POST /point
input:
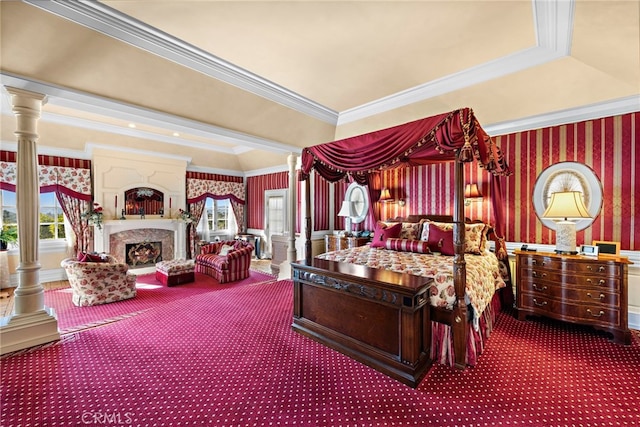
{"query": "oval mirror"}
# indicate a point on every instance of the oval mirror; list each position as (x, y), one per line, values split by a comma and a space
(357, 194)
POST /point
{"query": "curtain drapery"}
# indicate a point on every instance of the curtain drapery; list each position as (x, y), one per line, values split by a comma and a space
(69, 179)
(199, 189)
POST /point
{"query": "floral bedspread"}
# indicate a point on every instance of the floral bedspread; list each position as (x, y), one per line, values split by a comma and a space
(483, 272)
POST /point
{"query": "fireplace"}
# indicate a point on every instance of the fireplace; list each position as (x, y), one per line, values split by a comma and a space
(117, 235)
(143, 254)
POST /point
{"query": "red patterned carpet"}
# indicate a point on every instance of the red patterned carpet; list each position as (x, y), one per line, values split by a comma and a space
(150, 294)
(230, 358)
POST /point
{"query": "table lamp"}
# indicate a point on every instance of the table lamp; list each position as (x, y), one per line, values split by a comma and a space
(565, 206)
(348, 210)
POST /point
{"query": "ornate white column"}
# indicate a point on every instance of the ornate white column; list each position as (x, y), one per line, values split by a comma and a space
(31, 323)
(285, 267)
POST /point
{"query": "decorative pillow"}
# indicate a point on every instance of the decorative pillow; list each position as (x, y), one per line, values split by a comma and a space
(475, 238)
(475, 235)
(407, 245)
(441, 240)
(225, 249)
(86, 257)
(382, 233)
(410, 230)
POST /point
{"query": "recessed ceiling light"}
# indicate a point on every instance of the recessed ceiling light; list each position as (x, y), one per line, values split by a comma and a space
(176, 134)
(132, 125)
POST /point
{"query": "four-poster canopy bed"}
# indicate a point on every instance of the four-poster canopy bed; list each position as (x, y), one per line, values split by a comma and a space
(378, 316)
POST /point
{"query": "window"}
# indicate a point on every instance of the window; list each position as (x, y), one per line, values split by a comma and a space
(218, 215)
(51, 215)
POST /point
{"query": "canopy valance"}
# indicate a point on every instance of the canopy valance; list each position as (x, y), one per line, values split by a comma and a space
(440, 138)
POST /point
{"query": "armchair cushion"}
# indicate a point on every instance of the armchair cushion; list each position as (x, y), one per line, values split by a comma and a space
(96, 283)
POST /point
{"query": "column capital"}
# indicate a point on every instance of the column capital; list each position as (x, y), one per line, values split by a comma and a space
(27, 106)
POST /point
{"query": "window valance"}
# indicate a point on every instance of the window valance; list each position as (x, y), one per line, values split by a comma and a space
(56, 174)
(200, 189)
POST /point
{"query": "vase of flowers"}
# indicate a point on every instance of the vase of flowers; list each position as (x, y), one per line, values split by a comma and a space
(185, 216)
(94, 215)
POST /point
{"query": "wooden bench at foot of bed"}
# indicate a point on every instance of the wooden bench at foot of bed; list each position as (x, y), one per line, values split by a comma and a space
(378, 317)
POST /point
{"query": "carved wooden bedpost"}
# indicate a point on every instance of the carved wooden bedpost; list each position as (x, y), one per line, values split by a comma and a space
(460, 324)
(307, 228)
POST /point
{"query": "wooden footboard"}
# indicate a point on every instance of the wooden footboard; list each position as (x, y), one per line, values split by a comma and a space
(378, 317)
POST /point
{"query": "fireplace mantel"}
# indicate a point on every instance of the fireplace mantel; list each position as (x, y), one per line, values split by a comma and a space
(102, 241)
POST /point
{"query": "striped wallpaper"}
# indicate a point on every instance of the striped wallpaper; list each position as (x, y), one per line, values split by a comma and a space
(256, 186)
(610, 146)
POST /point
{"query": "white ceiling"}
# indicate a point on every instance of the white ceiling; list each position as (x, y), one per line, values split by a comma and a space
(362, 65)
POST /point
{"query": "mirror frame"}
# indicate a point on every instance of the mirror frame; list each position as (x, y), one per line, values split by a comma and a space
(568, 171)
(360, 196)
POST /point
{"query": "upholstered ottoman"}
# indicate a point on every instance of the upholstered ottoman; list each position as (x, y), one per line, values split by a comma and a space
(175, 272)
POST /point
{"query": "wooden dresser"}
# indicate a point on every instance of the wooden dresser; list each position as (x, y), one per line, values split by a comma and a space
(573, 288)
(334, 242)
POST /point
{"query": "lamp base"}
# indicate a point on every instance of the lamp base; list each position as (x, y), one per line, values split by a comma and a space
(565, 237)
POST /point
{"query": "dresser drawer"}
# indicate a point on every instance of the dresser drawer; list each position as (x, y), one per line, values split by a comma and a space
(585, 280)
(569, 293)
(582, 313)
(598, 268)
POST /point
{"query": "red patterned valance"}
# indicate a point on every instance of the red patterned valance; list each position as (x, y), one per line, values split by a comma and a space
(55, 174)
(214, 177)
(198, 189)
(435, 139)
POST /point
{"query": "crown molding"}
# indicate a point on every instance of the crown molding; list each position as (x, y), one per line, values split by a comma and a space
(68, 98)
(108, 21)
(609, 108)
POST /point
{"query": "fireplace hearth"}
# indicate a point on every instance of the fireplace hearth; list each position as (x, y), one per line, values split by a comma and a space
(115, 235)
(143, 254)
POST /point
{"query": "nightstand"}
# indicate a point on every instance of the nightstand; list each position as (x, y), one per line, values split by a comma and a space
(577, 289)
(334, 242)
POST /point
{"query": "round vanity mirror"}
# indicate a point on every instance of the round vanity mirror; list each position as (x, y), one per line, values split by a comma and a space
(568, 176)
(357, 194)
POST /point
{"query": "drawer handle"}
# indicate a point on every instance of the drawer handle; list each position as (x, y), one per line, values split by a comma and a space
(539, 304)
(600, 282)
(600, 314)
(600, 269)
(543, 288)
(535, 274)
(535, 262)
(591, 296)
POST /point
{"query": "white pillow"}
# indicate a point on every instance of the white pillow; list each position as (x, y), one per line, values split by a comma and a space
(225, 249)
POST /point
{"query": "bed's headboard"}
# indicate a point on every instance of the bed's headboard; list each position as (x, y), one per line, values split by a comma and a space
(417, 218)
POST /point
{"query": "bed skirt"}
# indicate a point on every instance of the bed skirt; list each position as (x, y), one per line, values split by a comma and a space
(442, 351)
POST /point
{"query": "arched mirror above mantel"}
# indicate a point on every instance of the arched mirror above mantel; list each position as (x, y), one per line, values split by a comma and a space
(143, 200)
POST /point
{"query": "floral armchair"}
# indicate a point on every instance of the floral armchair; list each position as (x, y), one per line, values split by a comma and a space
(101, 282)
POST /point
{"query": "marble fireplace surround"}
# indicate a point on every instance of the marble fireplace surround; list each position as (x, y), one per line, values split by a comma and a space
(116, 234)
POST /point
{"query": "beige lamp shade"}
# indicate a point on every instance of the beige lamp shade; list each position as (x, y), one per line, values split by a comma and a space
(385, 195)
(471, 191)
(566, 205)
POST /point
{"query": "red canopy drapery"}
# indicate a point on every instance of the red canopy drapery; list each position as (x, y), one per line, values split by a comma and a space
(441, 138)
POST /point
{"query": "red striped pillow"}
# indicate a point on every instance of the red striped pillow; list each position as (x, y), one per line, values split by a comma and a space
(407, 245)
